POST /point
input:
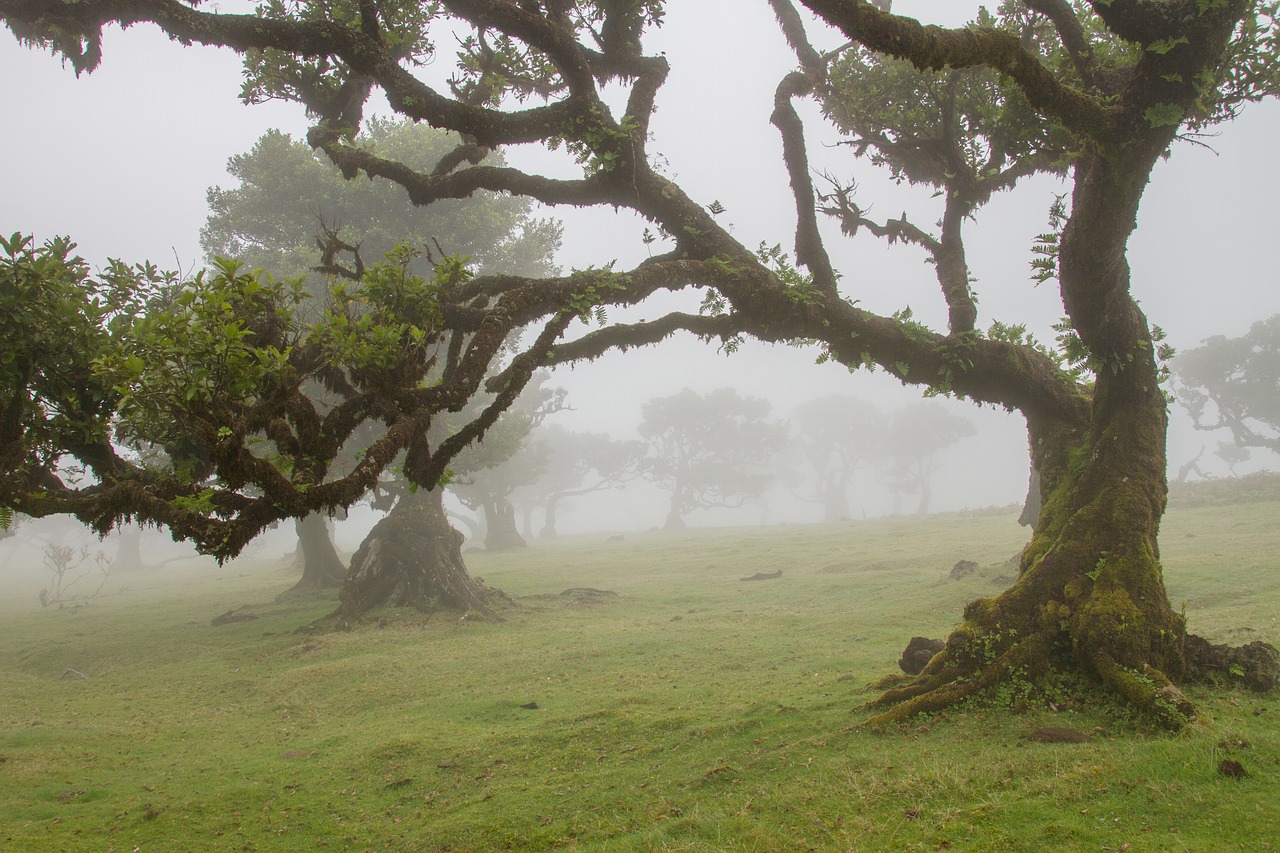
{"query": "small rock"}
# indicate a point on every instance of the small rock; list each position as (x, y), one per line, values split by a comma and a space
(918, 653)
(962, 569)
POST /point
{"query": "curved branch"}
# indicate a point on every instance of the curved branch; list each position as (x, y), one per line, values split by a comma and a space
(626, 336)
(1064, 20)
(424, 188)
(810, 251)
(793, 28)
(934, 48)
(54, 20)
(552, 39)
(514, 378)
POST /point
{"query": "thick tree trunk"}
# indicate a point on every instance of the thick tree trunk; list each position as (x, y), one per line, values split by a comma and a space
(1090, 596)
(321, 566)
(413, 558)
(128, 556)
(500, 523)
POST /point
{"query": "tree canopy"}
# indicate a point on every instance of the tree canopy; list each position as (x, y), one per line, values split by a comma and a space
(1098, 90)
(577, 464)
(915, 436)
(836, 435)
(709, 450)
(288, 196)
(1234, 384)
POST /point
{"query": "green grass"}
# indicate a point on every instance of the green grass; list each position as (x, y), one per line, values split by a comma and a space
(690, 712)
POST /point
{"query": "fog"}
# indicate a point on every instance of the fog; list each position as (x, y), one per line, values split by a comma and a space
(120, 160)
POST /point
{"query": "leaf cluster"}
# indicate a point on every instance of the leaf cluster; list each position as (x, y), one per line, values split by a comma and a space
(219, 394)
(710, 449)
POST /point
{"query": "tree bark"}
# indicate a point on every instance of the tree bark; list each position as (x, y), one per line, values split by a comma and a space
(1031, 506)
(322, 568)
(413, 558)
(1090, 595)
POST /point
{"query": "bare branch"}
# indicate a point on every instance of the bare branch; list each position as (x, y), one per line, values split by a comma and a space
(810, 250)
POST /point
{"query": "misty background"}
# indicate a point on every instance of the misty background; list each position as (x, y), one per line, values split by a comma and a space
(120, 160)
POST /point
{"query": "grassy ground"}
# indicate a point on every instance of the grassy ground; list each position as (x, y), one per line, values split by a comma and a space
(690, 711)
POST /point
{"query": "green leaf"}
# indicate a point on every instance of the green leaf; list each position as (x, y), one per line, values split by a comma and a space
(1163, 46)
(1164, 115)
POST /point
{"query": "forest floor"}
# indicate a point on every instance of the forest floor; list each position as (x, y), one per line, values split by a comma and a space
(676, 708)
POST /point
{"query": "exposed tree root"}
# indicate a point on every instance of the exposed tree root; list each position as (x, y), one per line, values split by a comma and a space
(957, 673)
(1148, 689)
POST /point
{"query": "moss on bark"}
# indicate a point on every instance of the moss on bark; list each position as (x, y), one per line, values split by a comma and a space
(1090, 594)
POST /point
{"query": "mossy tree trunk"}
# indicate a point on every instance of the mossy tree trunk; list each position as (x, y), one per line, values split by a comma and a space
(413, 558)
(1090, 594)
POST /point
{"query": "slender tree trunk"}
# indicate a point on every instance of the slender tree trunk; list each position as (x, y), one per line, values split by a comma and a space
(926, 486)
(322, 568)
(526, 521)
(675, 515)
(549, 517)
(413, 558)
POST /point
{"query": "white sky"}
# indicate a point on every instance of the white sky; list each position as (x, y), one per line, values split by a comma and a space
(120, 160)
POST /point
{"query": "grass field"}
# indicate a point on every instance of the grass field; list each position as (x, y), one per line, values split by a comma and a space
(688, 711)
